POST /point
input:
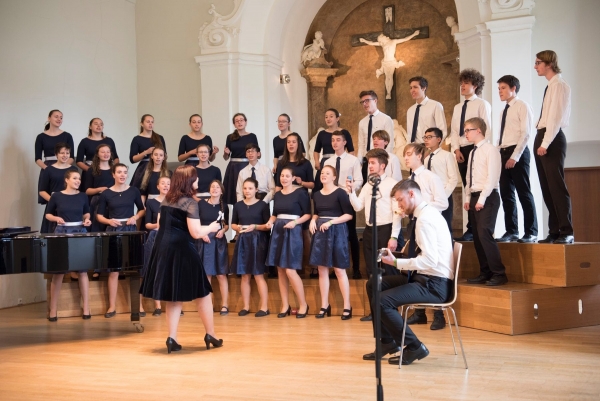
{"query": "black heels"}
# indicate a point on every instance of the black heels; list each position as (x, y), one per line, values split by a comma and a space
(53, 319)
(286, 313)
(323, 312)
(172, 345)
(302, 315)
(208, 340)
(349, 315)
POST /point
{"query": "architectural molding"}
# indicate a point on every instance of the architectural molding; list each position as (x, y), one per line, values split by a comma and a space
(239, 58)
(218, 35)
(510, 24)
(511, 8)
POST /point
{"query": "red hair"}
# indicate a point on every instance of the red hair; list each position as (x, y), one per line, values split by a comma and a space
(182, 183)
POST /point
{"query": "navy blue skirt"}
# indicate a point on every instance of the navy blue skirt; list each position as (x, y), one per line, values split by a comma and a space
(70, 229)
(330, 248)
(230, 181)
(124, 228)
(214, 255)
(138, 174)
(285, 247)
(148, 245)
(250, 253)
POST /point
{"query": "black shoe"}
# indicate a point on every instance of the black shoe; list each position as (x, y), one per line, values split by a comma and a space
(390, 348)
(549, 239)
(53, 319)
(565, 239)
(417, 318)
(208, 340)
(467, 236)
(157, 312)
(302, 315)
(243, 312)
(367, 318)
(286, 313)
(481, 279)
(409, 356)
(497, 280)
(225, 311)
(108, 315)
(438, 323)
(87, 317)
(172, 345)
(142, 314)
(349, 315)
(323, 312)
(314, 273)
(508, 238)
(527, 239)
(356, 275)
(262, 313)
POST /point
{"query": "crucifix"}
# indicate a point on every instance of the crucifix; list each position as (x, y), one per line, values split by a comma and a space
(388, 39)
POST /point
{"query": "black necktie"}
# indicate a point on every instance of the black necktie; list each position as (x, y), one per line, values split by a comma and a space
(542, 109)
(337, 170)
(369, 132)
(429, 161)
(412, 245)
(412, 176)
(461, 129)
(253, 175)
(471, 169)
(415, 124)
(503, 123)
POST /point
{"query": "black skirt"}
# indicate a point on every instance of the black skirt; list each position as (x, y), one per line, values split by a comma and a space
(70, 230)
(230, 181)
(214, 255)
(250, 253)
(138, 174)
(330, 248)
(148, 245)
(285, 247)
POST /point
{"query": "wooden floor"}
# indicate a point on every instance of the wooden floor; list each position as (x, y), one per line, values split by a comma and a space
(280, 359)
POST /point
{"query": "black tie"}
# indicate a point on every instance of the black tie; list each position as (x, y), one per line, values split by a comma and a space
(462, 118)
(429, 161)
(412, 245)
(503, 123)
(542, 109)
(412, 176)
(471, 169)
(337, 170)
(253, 175)
(369, 133)
(415, 124)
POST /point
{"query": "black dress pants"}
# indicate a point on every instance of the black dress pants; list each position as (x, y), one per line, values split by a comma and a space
(448, 213)
(397, 291)
(354, 244)
(384, 233)
(484, 222)
(462, 169)
(517, 178)
(551, 170)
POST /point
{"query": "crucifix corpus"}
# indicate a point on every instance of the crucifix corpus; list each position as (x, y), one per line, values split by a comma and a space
(388, 39)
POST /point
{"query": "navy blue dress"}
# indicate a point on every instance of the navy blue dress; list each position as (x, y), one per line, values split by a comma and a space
(206, 176)
(52, 180)
(86, 151)
(71, 209)
(44, 147)
(238, 151)
(119, 205)
(105, 179)
(187, 143)
(215, 257)
(279, 146)
(140, 144)
(251, 248)
(152, 210)
(286, 245)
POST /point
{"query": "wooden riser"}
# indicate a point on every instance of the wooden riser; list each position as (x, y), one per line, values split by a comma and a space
(509, 309)
(548, 264)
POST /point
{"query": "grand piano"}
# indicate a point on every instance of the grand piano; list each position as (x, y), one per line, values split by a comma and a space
(24, 251)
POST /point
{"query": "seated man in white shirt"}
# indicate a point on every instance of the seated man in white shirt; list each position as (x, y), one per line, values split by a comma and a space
(431, 280)
(261, 173)
(381, 139)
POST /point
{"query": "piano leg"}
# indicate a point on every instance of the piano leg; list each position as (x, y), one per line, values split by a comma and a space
(134, 288)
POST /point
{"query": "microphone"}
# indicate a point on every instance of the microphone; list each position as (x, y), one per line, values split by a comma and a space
(374, 179)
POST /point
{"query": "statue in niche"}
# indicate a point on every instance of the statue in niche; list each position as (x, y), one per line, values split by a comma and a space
(453, 26)
(315, 50)
(389, 63)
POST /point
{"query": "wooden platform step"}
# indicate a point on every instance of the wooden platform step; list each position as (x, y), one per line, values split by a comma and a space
(518, 308)
(571, 265)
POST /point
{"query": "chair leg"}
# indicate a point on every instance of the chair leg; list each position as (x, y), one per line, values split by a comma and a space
(403, 334)
(459, 337)
(450, 326)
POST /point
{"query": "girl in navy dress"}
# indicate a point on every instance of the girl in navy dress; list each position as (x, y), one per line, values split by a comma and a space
(151, 218)
(235, 148)
(47, 141)
(98, 179)
(249, 220)
(284, 122)
(70, 211)
(329, 247)
(323, 143)
(291, 208)
(116, 211)
(142, 146)
(156, 168)
(206, 172)
(188, 145)
(212, 247)
(88, 146)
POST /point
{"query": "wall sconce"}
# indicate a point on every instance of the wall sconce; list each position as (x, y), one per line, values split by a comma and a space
(284, 79)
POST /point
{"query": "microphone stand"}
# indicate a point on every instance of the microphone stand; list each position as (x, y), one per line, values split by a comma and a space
(376, 277)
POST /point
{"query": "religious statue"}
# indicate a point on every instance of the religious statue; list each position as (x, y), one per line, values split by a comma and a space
(453, 26)
(314, 50)
(400, 142)
(389, 62)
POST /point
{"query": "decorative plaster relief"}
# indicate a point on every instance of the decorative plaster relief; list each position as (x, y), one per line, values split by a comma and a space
(511, 8)
(216, 36)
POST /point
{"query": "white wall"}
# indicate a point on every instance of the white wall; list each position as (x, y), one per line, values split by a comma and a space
(74, 55)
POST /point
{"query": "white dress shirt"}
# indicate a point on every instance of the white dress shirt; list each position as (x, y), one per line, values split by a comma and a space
(556, 109)
(381, 121)
(444, 166)
(349, 167)
(517, 128)
(432, 188)
(486, 171)
(431, 114)
(477, 107)
(393, 168)
(436, 257)
(264, 176)
(387, 207)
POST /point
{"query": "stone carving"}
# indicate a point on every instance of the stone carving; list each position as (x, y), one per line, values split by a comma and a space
(453, 26)
(389, 63)
(216, 36)
(511, 8)
(315, 50)
(400, 143)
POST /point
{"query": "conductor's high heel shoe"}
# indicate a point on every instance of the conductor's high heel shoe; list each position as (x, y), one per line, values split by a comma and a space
(208, 340)
(286, 313)
(302, 315)
(323, 312)
(172, 345)
(349, 315)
